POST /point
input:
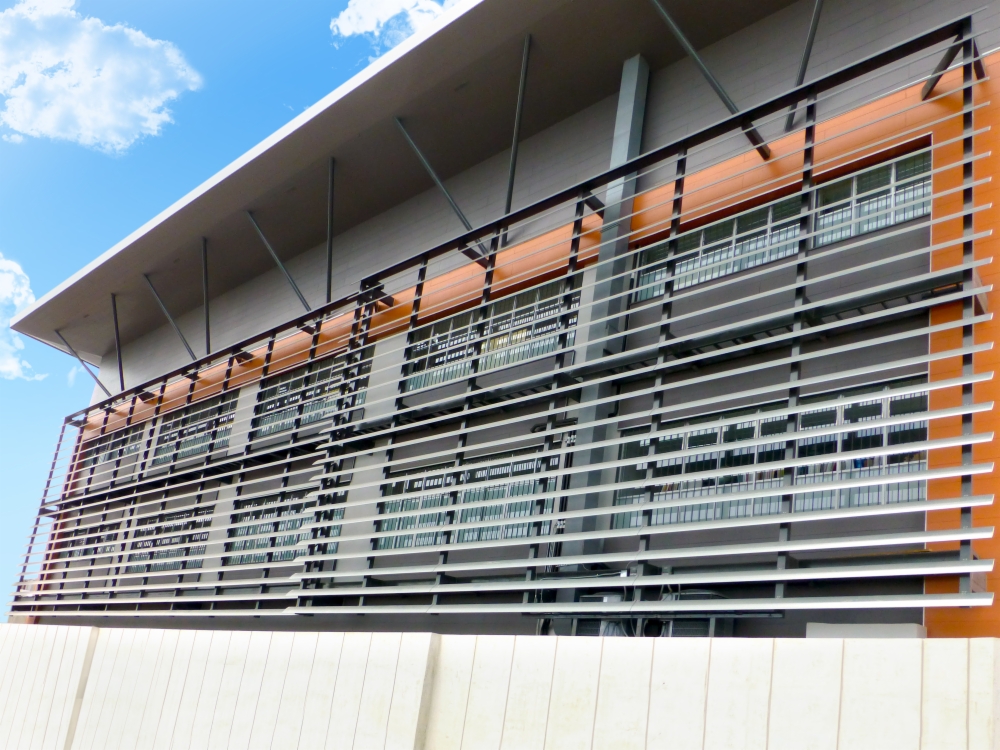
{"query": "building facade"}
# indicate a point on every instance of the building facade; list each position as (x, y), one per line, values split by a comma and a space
(707, 351)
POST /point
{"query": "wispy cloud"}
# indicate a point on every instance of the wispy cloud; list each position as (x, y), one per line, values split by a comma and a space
(71, 375)
(15, 295)
(71, 77)
(386, 23)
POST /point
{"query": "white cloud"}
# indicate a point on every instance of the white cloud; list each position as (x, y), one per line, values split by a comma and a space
(386, 23)
(70, 77)
(71, 375)
(15, 295)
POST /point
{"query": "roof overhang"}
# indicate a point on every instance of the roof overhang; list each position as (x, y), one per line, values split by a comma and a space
(456, 86)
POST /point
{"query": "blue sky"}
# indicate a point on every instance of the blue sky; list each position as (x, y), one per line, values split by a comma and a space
(110, 110)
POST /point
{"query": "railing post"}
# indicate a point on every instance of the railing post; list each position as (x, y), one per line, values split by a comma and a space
(968, 279)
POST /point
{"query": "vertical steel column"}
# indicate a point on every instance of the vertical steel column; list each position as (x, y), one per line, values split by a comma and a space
(268, 353)
(142, 462)
(326, 511)
(560, 482)
(968, 280)
(355, 356)
(90, 480)
(176, 448)
(418, 294)
(204, 294)
(72, 475)
(476, 320)
(128, 423)
(118, 342)
(666, 310)
(129, 518)
(801, 273)
(329, 233)
(607, 302)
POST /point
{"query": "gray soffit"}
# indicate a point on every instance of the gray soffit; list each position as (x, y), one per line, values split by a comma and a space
(456, 87)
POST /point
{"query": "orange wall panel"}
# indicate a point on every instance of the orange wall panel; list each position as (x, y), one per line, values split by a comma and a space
(974, 621)
(210, 381)
(289, 352)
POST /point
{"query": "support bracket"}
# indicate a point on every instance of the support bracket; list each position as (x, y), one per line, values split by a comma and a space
(804, 62)
(946, 60)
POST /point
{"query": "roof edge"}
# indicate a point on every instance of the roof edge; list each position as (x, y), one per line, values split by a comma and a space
(391, 57)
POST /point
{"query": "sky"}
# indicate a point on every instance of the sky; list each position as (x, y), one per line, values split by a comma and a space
(111, 110)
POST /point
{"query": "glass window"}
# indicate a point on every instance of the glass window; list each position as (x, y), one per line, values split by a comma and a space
(511, 330)
(870, 200)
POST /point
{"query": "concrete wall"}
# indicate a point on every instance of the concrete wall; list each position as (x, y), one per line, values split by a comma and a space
(754, 64)
(83, 688)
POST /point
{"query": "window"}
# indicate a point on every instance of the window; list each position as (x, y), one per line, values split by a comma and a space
(461, 482)
(263, 525)
(503, 333)
(309, 394)
(868, 201)
(751, 239)
(199, 428)
(169, 530)
(113, 446)
(874, 199)
(523, 467)
(90, 542)
(166, 560)
(669, 477)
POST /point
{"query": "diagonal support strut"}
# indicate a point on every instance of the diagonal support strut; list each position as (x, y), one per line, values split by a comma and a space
(83, 364)
(329, 231)
(170, 318)
(480, 259)
(945, 62)
(204, 294)
(755, 138)
(118, 342)
(517, 123)
(278, 263)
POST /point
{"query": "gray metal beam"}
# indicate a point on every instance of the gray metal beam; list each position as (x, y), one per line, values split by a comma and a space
(170, 318)
(329, 234)
(118, 342)
(83, 364)
(277, 261)
(804, 62)
(748, 129)
(480, 259)
(594, 204)
(517, 123)
(204, 292)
